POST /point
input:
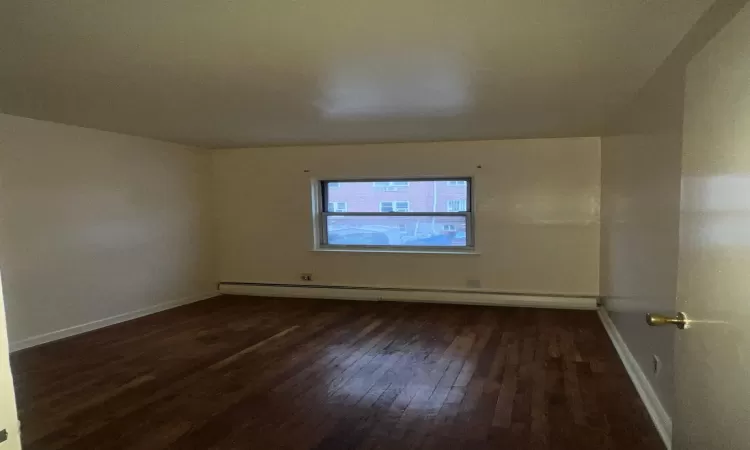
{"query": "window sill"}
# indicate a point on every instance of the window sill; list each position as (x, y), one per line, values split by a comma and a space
(397, 251)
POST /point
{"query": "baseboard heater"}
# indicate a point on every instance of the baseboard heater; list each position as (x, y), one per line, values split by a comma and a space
(430, 295)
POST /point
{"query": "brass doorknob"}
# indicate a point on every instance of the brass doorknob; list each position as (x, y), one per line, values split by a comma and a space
(657, 320)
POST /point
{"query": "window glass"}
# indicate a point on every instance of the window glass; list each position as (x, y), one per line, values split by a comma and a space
(396, 213)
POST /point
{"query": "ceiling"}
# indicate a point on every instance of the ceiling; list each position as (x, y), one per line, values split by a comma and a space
(231, 73)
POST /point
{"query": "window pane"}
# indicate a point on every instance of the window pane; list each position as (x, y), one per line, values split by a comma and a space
(397, 196)
(402, 231)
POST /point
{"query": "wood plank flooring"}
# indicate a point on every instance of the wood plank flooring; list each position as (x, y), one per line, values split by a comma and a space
(253, 373)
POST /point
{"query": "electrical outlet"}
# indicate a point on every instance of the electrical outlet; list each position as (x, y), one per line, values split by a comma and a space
(306, 277)
(656, 365)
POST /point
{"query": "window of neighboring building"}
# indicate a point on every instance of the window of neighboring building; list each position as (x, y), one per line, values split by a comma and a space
(424, 216)
(337, 206)
(456, 205)
(387, 184)
(389, 207)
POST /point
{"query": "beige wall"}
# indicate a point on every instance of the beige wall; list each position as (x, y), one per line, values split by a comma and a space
(96, 224)
(537, 218)
(641, 170)
(640, 224)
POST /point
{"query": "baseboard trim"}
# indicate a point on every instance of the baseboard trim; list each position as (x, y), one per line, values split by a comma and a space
(659, 415)
(373, 293)
(101, 323)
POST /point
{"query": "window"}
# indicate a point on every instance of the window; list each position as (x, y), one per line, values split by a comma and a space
(387, 207)
(381, 214)
(337, 206)
(456, 205)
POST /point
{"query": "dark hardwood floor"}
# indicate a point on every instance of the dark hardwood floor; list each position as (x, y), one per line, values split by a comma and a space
(252, 373)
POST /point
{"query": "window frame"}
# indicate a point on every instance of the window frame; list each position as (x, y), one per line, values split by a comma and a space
(322, 214)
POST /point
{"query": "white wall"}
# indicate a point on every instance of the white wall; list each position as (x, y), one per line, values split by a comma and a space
(96, 224)
(537, 218)
(640, 226)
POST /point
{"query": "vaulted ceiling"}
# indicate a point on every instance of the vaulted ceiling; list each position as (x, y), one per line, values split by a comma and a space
(234, 73)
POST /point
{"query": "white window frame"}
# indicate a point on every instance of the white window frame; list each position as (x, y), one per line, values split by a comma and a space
(338, 207)
(320, 188)
(393, 206)
(461, 206)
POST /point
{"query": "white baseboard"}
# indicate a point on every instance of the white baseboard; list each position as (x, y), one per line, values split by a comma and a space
(409, 295)
(659, 415)
(101, 323)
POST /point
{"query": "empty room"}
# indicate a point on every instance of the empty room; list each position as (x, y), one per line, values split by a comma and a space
(413, 224)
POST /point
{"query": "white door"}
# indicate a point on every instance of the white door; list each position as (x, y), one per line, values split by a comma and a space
(712, 360)
(8, 417)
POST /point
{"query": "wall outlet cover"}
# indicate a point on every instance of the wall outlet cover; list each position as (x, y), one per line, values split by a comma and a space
(655, 365)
